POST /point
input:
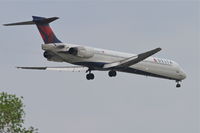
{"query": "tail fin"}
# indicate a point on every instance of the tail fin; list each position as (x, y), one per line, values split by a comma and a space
(43, 26)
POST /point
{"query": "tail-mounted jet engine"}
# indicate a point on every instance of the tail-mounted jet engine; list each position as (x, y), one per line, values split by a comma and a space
(47, 54)
(73, 51)
(81, 52)
(50, 56)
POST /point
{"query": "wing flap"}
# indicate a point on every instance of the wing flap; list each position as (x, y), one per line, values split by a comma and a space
(132, 60)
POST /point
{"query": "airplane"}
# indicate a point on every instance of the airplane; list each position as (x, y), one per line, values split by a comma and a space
(90, 59)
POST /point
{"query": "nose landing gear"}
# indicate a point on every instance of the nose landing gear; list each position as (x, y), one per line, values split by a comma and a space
(178, 85)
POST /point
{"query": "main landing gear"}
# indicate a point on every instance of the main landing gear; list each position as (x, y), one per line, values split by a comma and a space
(112, 73)
(178, 85)
(90, 76)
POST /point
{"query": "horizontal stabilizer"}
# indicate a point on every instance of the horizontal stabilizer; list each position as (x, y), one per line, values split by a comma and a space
(132, 60)
(20, 23)
(67, 68)
(36, 20)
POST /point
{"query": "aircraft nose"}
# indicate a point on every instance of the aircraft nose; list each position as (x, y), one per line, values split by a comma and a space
(183, 75)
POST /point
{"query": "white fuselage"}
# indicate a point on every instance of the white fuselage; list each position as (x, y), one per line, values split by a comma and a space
(95, 58)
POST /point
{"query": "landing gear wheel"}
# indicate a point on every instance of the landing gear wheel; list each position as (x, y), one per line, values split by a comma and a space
(112, 73)
(87, 77)
(178, 85)
(90, 76)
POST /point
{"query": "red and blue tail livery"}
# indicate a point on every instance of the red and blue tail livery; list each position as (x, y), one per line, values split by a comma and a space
(45, 30)
(42, 24)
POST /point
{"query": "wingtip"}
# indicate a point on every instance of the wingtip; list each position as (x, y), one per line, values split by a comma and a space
(159, 48)
(6, 24)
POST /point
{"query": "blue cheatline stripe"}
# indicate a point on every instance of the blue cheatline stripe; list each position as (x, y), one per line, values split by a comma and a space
(140, 72)
(99, 65)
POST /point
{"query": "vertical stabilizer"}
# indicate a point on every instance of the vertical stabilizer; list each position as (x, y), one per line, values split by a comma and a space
(42, 24)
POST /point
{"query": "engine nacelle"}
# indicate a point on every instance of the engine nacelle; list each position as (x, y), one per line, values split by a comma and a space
(47, 54)
(73, 51)
(81, 52)
(52, 57)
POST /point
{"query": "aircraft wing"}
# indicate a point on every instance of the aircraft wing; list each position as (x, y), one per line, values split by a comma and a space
(66, 68)
(132, 60)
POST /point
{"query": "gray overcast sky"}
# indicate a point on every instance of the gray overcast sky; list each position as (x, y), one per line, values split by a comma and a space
(66, 102)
